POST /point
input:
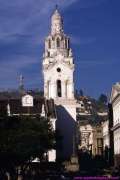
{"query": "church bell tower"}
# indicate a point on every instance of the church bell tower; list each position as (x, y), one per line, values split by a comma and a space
(58, 70)
(58, 65)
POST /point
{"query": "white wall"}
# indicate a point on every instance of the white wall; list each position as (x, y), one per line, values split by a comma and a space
(117, 141)
(116, 113)
(66, 75)
(52, 155)
(116, 121)
(86, 130)
(105, 129)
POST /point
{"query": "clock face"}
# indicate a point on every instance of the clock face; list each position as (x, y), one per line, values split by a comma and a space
(27, 100)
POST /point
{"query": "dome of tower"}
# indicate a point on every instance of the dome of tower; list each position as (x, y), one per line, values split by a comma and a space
(56, 15)
(56, 23)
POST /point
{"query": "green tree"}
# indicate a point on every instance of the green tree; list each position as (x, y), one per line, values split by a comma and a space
(23, 138)
(102, 99)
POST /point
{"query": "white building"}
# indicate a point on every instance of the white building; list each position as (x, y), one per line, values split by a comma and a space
(58, 69)
(115, 101)
(58, 66)
(105, 131)
(86, 136)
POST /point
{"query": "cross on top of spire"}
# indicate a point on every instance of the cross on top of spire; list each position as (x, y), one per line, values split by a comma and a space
(56, 6)
(56, 11)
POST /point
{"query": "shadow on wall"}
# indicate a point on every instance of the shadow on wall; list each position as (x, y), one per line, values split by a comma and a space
(66, 126)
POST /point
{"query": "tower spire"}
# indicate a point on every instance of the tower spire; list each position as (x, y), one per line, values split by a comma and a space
(56, 22)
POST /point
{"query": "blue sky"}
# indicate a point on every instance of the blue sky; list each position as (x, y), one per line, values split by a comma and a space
(94, 28)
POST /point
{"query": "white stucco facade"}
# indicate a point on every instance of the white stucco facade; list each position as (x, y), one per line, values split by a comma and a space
(117, 142)
(115, 100)
(86, 136)
(105, 131)
(58, 66)
(116, 111)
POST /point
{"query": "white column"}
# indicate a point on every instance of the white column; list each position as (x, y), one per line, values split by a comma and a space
(8, 110)
(49, 89)
(53, 90)
(63, 89)
(46, 89)
(70, 90)
(67, 89)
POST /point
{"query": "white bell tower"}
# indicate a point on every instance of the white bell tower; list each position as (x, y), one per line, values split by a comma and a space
(58, 70)
(58, 65)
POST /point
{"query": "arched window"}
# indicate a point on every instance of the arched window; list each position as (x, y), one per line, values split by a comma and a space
(58, 42)
(68, 43)
(49, 43)
(48, 54)
(66, 46)
(59, 92)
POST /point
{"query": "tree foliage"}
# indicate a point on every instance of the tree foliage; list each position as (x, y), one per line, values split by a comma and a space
(102, 99)
(22, 139)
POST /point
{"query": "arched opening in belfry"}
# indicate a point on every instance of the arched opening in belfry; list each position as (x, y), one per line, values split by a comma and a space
(66, 43)
(59, 89)
(49, 43)
(58, 42)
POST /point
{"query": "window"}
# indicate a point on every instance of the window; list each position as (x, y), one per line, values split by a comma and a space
(58, 42)
(59, 93)
(99, 131)
(49, 43)
(66, 46)
(99, 142)
(48, 54)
